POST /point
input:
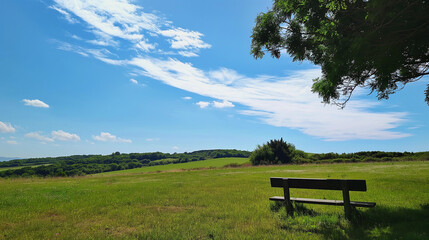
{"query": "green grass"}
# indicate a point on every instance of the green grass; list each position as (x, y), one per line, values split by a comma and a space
(13, 168)
(221, 203)
(210, 163)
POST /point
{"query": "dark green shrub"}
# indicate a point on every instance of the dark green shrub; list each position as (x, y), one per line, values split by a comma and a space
(273, 152)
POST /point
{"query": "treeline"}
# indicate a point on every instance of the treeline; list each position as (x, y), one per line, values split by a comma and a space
(91, 164)
(368, 156)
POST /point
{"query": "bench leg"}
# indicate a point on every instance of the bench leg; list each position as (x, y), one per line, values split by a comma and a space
(347, 206)
(288, 203)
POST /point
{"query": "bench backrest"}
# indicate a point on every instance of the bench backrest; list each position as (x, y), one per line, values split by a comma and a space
(324, 184)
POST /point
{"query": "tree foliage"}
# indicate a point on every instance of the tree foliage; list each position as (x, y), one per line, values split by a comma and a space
(90, 164)
(273, 152)
(381, 45)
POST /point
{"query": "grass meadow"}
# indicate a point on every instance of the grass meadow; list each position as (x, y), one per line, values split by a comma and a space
(210, 163)
(214, 203)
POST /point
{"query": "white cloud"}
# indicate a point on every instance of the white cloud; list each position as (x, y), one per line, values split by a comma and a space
(38, 136)
(225, 76)
(152, 139)
(187, 98)
(107, 137)
(55, 135)
(132, 80)
(216, 104)
(188, 54)
(124, 20)
(35, 103)
(12, 142)
(65, 136)
(175, 147)
(66, 15)
(145, 46)
(6, 127)
(279, 101)
(76, 37)
(185, 39)
(203, 104)
(223, 104)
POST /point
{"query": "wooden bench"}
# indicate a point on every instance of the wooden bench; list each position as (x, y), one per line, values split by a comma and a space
(323, 184)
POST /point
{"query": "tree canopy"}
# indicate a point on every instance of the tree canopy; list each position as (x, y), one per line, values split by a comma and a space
(381, 45)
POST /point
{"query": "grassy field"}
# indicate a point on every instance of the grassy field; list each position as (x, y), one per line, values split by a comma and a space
(217, 162)
(221, 203)
(13, 168)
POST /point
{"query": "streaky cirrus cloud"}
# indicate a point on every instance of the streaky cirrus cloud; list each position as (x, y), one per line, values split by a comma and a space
(35, 103)
(55, 135)
(109, 19)
(39, 136)
(283, 101)
(6, 127)
(107, 137)
(279, 101)
(12, 142)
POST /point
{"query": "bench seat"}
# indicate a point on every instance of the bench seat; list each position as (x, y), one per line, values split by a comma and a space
(325, 201)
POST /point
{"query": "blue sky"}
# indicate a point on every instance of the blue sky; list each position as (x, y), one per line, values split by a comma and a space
(95, 77)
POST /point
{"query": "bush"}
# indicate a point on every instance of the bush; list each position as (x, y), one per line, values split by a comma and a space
(273, 152)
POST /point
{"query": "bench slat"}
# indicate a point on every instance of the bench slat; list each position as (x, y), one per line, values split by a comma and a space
(325, 202)
(324, 184)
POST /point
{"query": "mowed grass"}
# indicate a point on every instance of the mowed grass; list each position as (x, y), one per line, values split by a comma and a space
(221, 203)
(210, 163)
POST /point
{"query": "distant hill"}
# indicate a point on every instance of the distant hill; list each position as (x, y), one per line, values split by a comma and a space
(90, 164)
(8, 158)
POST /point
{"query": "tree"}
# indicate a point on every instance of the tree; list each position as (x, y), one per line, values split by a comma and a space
(273, 152)
(381, 45)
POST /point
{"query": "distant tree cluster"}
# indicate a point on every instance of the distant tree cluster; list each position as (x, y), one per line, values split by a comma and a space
(368, 156)
(90, 164)
(281, 152)
(273, 152)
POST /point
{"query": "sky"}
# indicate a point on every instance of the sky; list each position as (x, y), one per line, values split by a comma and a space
(100, 76)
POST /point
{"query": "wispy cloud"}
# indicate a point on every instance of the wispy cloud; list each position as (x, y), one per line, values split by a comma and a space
(187, 98)
(39, 136)
(6, 127)
(135, 82)
(203, 104)
(12, 142)
(55, 135)
(278, 101)
(66, 15)
(152, 139)
(107, 137)
(188, 54)
(109, 19)
(35, 103)
(65, 136)
(216, 104)
(223, 104)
